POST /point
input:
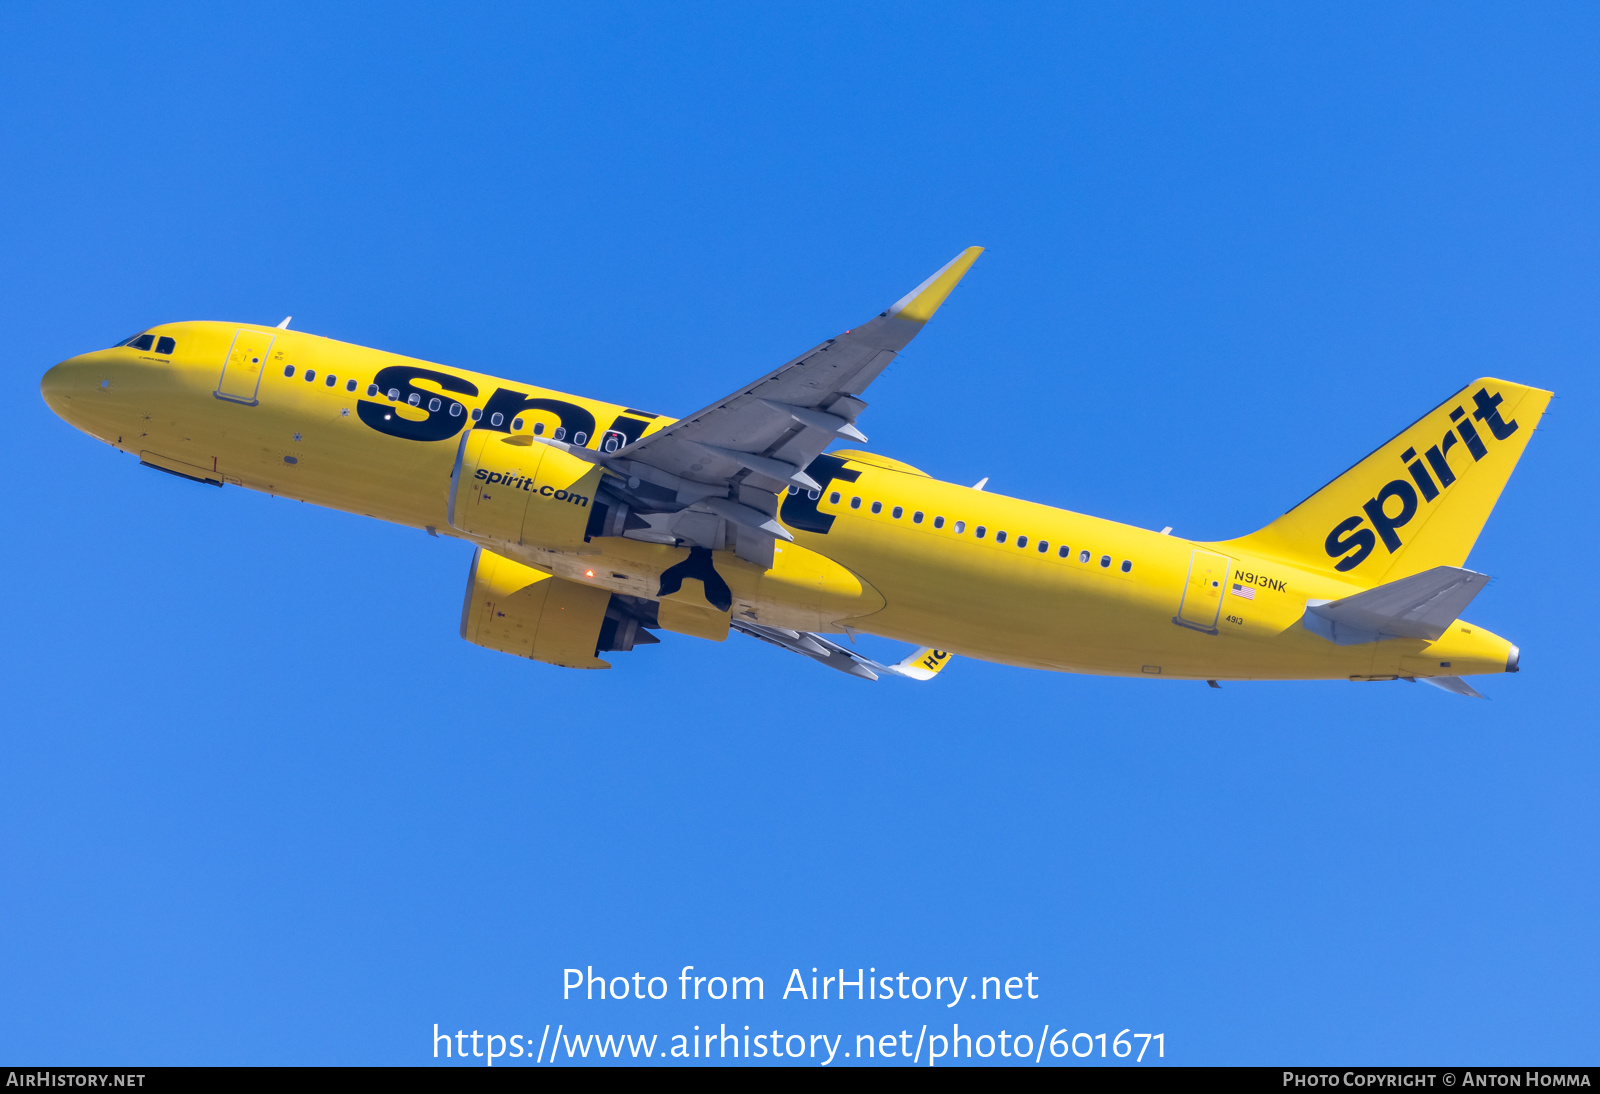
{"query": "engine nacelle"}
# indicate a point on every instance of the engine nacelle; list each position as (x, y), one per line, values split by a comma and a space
(517, 491)
(519, 610)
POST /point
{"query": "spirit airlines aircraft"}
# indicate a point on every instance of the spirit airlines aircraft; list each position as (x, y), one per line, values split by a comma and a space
(596, 525)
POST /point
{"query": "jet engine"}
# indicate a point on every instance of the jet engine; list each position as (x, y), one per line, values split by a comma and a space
(519, 610)
(515, 490)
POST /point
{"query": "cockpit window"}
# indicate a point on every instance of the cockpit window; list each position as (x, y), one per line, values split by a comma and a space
(148, 341)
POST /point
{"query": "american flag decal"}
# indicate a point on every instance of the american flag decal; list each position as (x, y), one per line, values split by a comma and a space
(1244, 591)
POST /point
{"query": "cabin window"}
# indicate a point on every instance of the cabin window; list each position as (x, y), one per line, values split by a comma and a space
(1105, 562)
(793, 490)
(331, 380)
(477, 414)
(413, 399)
(1083, 556)
(393, 394)
(898, 513)
(372, 389)
(516, 423)
(349, 385)
(455, 410)
(916, 518)
(311, 374)
(433, 405)
(166, 345)
(938, 522)
(1022, 541)
(813, 494)
(979, 531)
(999, 537)
(877, 507)
(1127, 566)
(580, 438)
(1044, 547)
(855, 503)
(1064, 551)
(961, 526)
(833, 498)
(288, 370)
(496, 418)
(559, 435)
(538, 429)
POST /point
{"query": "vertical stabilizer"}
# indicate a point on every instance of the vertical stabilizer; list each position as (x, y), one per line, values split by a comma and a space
(1420, 500)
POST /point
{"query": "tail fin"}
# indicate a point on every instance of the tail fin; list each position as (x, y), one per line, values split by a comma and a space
(1420, 500)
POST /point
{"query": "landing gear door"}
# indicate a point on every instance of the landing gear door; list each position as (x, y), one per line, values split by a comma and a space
(242, 369)
(1202, 594)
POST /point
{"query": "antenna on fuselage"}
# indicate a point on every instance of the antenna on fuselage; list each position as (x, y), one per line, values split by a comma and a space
(981, 483)
(285, 324)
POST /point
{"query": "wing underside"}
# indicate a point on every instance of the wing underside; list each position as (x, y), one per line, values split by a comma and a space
(924, 664)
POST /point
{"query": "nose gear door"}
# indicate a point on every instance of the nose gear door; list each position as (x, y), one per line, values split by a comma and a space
(242, 369)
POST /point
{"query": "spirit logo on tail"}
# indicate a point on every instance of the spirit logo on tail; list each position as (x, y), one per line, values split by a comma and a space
(1349, 535)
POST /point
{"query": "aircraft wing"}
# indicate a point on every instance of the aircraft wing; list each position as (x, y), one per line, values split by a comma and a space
(712, 479)
(924, 664)
(1420, 606)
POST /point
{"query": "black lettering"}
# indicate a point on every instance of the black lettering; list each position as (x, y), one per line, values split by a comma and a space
(1385, 524)
(574, 419)
(1474, 442)
(1361, 541)
(799, 510)
(1488, 413)
(437, 426)
(1423, 481)
(1440, 463)
(630, 428)
(698, 565)
(482, 474)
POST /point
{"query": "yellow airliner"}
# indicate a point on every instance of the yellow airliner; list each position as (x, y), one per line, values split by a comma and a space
(597, 524)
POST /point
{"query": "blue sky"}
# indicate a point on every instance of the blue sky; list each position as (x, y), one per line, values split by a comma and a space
(263, 805)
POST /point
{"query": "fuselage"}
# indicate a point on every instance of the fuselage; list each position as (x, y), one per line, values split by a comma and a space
(881, 549)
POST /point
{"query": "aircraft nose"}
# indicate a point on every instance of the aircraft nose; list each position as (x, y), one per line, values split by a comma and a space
(61, 384)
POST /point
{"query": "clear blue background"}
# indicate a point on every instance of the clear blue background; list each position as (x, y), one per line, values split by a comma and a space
(258, 801)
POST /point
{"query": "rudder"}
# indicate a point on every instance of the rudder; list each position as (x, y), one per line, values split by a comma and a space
(1421, 499)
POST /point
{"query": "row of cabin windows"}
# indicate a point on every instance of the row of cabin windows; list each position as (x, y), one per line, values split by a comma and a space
(329, 380)
(981, 532)
(436, 404)
(162, 345)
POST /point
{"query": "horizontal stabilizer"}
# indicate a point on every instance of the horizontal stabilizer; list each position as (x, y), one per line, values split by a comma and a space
(1452, 684)
(1420, 606)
